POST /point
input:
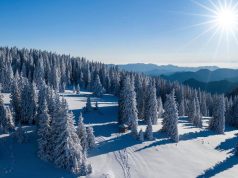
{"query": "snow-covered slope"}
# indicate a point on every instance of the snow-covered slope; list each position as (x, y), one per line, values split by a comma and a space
(199, 153)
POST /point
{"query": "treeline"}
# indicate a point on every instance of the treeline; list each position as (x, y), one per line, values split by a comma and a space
(30, 74)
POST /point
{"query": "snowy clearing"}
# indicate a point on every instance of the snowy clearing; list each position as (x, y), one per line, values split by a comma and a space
(200, 152)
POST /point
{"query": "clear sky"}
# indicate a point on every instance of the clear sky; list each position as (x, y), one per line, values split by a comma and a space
(117, 31)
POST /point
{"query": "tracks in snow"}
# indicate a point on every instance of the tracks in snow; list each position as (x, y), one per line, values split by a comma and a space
(122, 158)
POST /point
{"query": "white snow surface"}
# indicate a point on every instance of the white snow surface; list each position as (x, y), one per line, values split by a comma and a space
(199, 153)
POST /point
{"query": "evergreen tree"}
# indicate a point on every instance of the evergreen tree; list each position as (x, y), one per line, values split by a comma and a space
(20, 135)
(45, 146)
(130, 110)
(82, 133)
(170, 121)
(68, 151)
(141, 135)
(77, 89)
(88, 105)
(85, 168)
(28, 103)
(151, 105)
(6, 121)
(217, 123)
(15, 101)
(181, 110)
(197, 120)
(149, 130)
(90, 137)
(98, 89)
(160, 107)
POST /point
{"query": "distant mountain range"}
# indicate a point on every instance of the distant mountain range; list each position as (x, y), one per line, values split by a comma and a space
(222, 86)
(205, 75)
(153, 69)
(209, 78)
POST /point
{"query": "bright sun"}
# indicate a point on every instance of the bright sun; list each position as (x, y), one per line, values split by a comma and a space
(226, 19)
(220, 22)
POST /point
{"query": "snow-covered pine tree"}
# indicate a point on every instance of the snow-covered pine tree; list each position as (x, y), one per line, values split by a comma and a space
(217, 123)
(139, 89)
(41, 101)
(88, 107)
(197, 120)
(151, 104)
(130, 110)
(192, 110)
(68, 151)
(19, 134)
(15, 101)
(170, 121)
(7, 122)
(2, 110)
(74, 90)
(45, 145)
(149, 130)
(85, 168)
(141, 135)
(181, 110)
(203, 105)
(160, 107)
(77, 89)
(28, 103)
(97, 87)
(90, 138)
(82, 133)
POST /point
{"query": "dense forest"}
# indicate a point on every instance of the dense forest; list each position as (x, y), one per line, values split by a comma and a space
(35, 79)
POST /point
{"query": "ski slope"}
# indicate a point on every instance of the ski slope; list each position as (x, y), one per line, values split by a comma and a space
(200, 152)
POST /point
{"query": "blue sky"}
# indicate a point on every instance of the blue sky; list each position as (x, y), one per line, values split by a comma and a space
(115, 31)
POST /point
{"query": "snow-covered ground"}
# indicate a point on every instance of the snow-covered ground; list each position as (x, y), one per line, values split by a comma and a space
(200, 153)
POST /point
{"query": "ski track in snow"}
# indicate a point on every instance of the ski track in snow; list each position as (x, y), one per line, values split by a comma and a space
(122, 158)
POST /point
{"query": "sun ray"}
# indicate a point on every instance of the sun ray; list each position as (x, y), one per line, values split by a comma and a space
(204, 6)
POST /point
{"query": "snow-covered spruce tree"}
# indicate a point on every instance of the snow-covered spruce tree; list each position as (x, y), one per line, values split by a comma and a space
(88, 107)
(7, 122)
(90, 138)
(141, 135)
(45, 146)
(151, 104)
(28, 103)
(170, 121)
(56, 117)
(2, 110)
(130, 110)
(85, 168)
(203, 105)
(77, 89)
(197, 120)
(15, 101)
(191, 109)
(97, 87)
(217, 123)
(160, 107)
(74, 90)
(68, 151)
(149, 130)
(82, 133)
(139, 89)
(19, 134)
(41, 101)
(181, 109)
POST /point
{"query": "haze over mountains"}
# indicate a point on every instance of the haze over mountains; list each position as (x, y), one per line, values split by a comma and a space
(153, 69)
(209, 78)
